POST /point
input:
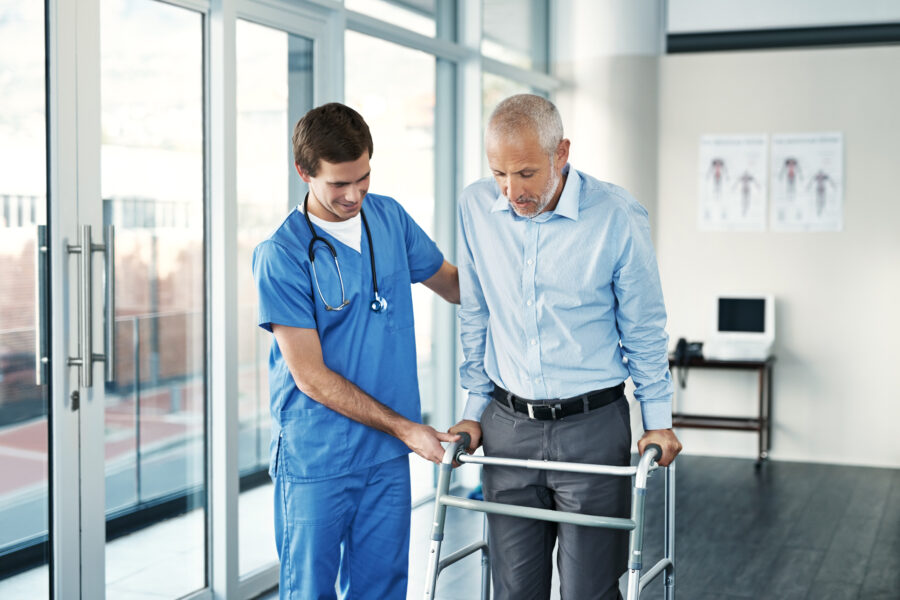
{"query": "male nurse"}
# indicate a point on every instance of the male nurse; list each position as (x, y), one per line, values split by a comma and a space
(334, 283)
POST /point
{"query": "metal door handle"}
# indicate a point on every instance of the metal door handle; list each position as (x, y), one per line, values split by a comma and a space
(86, 359)
(109, 284)
(41, 358)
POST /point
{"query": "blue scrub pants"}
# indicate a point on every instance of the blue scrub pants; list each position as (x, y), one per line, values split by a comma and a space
(352, 529)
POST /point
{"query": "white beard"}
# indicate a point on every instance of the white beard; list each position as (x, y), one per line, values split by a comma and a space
(539, 203)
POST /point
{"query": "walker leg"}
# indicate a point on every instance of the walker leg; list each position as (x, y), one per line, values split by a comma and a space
(634, 584)
(669, 532)
(635, 547)
(636, 538)
(437, 530)
(485, 565)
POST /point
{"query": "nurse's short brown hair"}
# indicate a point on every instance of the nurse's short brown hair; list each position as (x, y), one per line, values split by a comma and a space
(332, 132)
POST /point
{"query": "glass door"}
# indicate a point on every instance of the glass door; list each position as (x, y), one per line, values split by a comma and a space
(152, 196)
(121, 293)
(401, 117)
(24, 410)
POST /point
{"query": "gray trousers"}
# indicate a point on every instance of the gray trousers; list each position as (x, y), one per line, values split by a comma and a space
(590, 559)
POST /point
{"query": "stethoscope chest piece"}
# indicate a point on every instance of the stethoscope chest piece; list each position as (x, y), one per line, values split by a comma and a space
(378, 304)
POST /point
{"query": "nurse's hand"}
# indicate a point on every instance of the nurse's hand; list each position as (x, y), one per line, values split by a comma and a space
(426, 441)
(473, 428)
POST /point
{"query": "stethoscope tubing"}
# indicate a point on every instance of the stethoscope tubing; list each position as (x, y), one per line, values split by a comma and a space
(378, 303)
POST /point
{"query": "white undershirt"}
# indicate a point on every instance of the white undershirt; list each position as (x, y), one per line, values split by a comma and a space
(347, 232)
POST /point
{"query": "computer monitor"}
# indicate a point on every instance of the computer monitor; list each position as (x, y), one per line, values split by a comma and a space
(743, 327)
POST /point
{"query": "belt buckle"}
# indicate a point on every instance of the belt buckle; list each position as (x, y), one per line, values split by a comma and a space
(557, 406)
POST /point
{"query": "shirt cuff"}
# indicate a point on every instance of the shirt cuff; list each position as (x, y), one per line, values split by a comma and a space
(657, 415)
(475, 406)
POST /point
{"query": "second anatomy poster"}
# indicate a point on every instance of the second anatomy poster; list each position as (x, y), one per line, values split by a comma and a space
(807, 182)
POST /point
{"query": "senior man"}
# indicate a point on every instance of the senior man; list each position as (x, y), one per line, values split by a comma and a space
(560, 303)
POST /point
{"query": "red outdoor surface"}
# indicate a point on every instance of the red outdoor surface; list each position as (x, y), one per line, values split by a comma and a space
(24, 446)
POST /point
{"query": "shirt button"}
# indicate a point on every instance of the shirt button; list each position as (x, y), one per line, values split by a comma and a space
(530, 261)
(529, 303)
(533, 342)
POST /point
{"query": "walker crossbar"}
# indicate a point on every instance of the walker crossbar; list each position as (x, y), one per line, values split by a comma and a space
(654, 571)
(455, 452)
(462, 553)
(543, 514)
(547, 465)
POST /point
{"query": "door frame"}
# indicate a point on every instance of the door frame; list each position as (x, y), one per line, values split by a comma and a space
(73, 166)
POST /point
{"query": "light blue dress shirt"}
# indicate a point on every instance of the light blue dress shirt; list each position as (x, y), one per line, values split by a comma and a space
(564, 303)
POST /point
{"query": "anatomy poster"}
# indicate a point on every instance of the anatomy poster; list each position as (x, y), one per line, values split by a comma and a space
(808, 182)
(733, 183)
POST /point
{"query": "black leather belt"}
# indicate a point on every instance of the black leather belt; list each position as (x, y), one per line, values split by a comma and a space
(548, 410)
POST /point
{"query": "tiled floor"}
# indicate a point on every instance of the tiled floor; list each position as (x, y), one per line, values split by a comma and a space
(788, 531)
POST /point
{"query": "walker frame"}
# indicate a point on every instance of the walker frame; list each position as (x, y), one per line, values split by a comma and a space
(455, 452)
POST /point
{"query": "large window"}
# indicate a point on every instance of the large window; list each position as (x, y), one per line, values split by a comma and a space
(494, 88)
(153, 192)
(515, 32)
(24, 501)
(155, 79)
(274, 89)
(415, 15)
(394, 89)
(394, 82)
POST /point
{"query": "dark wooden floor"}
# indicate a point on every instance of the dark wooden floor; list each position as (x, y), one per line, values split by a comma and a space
(787, 531)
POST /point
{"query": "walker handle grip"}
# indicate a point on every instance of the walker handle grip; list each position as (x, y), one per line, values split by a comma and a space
(656, 447)
(462, 446)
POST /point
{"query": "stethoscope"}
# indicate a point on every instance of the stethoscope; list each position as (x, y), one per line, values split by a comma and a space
(378, 304)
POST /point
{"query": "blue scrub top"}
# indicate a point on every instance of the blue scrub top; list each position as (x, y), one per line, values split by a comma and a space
(376, 351)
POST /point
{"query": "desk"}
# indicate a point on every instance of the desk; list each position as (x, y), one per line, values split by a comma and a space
(761, 424)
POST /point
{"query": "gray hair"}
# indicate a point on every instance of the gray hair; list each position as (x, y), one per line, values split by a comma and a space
(528, 110)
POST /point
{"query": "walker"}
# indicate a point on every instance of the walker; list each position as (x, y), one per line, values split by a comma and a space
(635, 525)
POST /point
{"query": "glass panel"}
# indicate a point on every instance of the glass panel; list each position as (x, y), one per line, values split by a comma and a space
(393, 88)
(274, 89)
(24, 504)
(494, 89)
(416, 15)
(515, 32)
(153, 188)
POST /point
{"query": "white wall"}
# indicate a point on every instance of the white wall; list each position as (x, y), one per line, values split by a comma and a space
(635, 119)
(607, 53)
(837, 379)
(719, 15)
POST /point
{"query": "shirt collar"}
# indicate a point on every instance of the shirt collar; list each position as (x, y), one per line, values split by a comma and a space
(568, 200)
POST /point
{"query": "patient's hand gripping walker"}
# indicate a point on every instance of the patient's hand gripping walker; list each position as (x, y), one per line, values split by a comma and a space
(635, 525)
